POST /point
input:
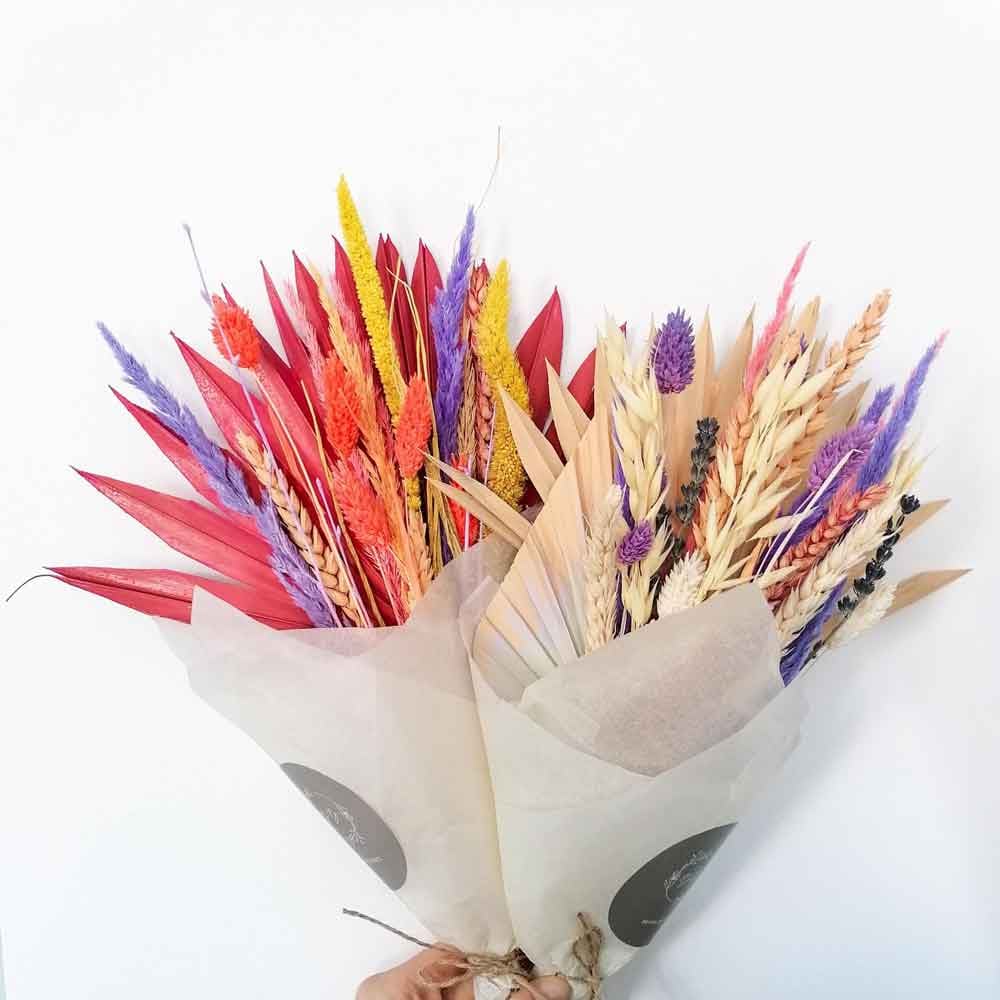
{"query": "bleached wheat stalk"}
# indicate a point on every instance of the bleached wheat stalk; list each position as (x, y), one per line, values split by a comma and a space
(600, 576)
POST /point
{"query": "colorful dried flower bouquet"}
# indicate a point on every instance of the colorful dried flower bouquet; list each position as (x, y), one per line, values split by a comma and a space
(557, 625)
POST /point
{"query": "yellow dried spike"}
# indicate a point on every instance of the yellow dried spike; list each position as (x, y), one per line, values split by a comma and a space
(372, 300)
(506, 474)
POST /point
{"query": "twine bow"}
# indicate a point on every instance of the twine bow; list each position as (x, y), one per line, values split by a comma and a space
(459, 966)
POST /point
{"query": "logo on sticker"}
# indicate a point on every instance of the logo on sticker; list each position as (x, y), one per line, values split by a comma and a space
(645, 901)
(355, 820)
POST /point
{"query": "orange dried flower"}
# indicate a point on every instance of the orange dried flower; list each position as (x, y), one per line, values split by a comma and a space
(414, 428)
(364, 511)
(234, 333)
(342, 407)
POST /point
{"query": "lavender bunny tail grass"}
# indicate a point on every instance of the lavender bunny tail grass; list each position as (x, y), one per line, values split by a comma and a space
(852, 443)
(446, 320)
(227, 481)
(884, 446)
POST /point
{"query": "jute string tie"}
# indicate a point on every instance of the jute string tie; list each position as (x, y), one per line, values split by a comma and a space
(459, 967)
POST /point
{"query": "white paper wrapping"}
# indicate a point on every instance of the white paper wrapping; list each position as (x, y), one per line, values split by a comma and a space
(381, 731)
(601, 788)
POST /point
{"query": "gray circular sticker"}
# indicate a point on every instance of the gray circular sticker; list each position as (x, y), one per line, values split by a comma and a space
(642, 904)
(355, 821)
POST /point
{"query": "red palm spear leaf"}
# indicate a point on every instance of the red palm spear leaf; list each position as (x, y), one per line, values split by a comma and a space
(305, 285)
(389, 264)
(344, 277)
(426, 282)
(211, 539)
(581, 385)
(168, 593)
(542, 342)
(276, 361)
(225, 399)
(180, 456)
(295, 351)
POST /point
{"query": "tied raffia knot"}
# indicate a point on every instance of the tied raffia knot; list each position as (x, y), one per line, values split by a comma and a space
(587, 952)
(456, 966)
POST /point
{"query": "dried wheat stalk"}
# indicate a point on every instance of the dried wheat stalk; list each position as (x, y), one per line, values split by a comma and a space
(846, 355)
(842, 513)
(864, 537)
(306, 535)
(600, 570)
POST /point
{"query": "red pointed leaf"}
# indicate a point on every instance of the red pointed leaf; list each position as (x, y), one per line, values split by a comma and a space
(295, 351)
(226, 400)
(346, 289)
(268, 352)
(195, 531)
(305, 285)
(168, 593)
(426, 282)
(291, 422)
(581, 385)
(389, 265)
(542, 342)
(180, 456)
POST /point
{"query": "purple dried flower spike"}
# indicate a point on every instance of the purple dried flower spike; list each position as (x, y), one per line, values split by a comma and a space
(799, 651)
(446, 321)
(884, 446)
(228, 482)
(636, 544)
(672, 357)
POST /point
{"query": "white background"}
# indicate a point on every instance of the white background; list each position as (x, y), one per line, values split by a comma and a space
(147, 849)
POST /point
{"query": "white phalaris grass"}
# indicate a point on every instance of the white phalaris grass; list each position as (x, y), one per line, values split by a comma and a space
(870, 611)
(681, 587)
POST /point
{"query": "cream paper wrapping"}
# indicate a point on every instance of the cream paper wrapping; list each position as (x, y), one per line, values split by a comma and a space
(389, 714)
(513, 813)
(575, 826)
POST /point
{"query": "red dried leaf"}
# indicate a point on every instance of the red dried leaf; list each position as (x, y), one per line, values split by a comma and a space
(305, 285)
(223, 396)
(581, 385)
(277, 362)
(346, 289)
(426, 282)
(389, 264)
(195, 531)
(542, 342)
(295, 351)
(169, 593)
(180, 456)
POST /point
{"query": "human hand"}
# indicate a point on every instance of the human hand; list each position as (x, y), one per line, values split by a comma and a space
(403, 983)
